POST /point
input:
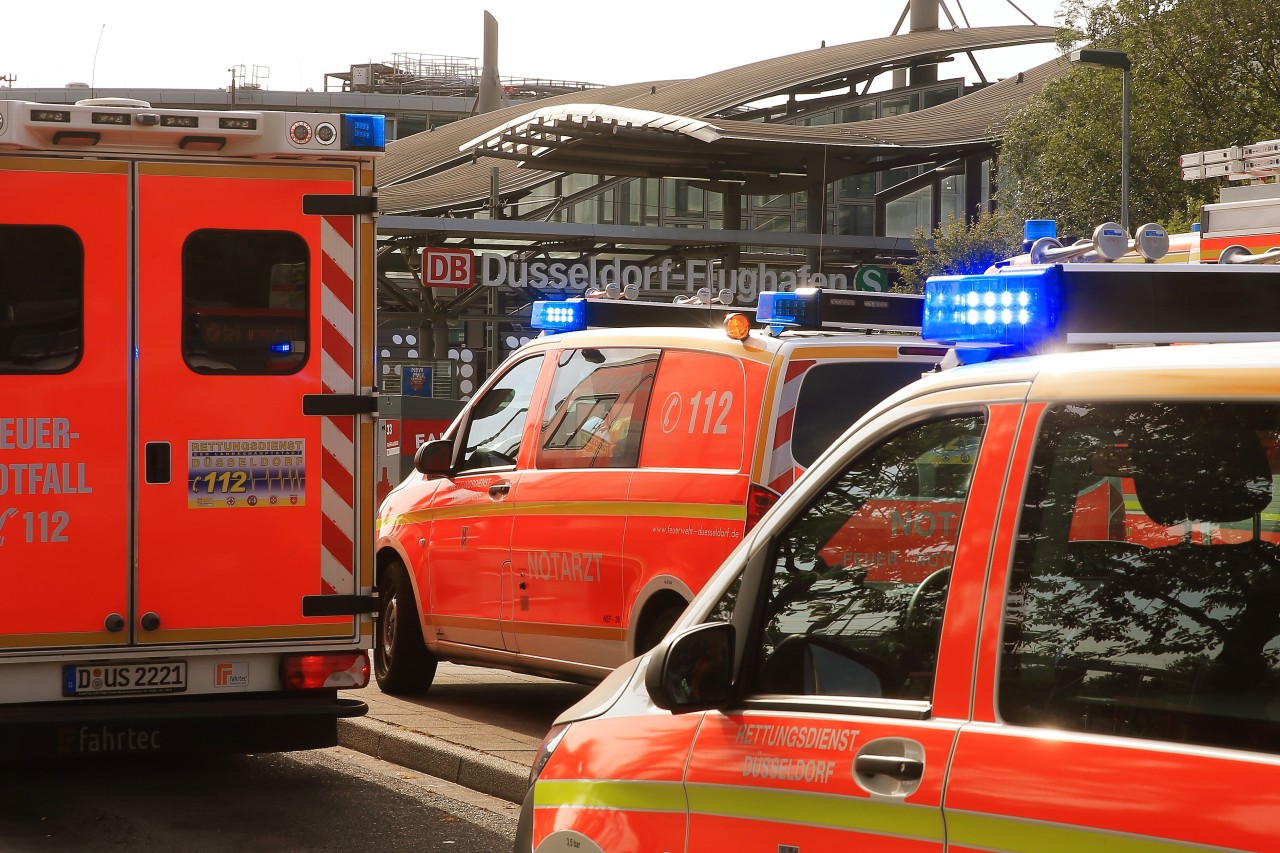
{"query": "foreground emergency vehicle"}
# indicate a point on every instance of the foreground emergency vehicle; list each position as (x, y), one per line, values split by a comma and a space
(185, 447)
(1024, 605)
(592, 486)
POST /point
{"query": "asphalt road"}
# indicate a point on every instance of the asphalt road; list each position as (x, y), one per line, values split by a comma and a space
(322, 800)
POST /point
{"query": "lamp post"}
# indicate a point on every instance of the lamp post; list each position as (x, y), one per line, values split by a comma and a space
(1115, 59)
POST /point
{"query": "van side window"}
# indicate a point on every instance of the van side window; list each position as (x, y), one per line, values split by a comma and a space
(860, 579)
(496, 419)
(1144, 597)
(595, 411)
(245, 306)
(41, 298)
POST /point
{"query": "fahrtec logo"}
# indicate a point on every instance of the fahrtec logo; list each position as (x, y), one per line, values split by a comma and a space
(448, 268)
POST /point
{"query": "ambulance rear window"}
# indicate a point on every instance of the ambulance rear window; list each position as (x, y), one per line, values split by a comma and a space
(835, 394)
(41, 298)
(245, 306)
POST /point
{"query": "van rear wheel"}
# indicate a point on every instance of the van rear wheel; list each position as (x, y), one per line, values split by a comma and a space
(401, 662)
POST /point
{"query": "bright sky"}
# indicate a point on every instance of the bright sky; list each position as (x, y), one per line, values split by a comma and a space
(148, 44)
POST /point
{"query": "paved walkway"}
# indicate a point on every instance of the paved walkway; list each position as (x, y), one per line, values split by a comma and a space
(466, 729)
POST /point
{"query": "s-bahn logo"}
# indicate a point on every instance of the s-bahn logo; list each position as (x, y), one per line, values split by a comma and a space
(448, 268)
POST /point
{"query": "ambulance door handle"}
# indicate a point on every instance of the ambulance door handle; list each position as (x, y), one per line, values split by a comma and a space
(895, 766)
(158, 468)
(499, 490)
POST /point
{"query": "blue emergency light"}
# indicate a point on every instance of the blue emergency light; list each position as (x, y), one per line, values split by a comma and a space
(364, 132)
(283, 349)
(792, 308)
(569, 315)
(1012, 306)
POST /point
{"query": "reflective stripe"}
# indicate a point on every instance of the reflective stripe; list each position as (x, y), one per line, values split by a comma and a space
(637, 509)
(984, 832)
(834, 811)
(627, 796)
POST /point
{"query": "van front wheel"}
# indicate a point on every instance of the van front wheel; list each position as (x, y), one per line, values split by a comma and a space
(401, 662)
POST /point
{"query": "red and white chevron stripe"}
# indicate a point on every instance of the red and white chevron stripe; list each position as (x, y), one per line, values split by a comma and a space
(782, 467)
(338, 368)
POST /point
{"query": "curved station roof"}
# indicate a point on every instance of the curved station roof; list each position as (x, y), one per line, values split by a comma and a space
(705, 129)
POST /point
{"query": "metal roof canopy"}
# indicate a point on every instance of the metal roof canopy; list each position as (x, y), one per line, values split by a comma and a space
(746, 157)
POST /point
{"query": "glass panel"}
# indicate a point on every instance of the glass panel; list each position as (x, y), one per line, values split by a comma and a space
(934, 97)
(857, 220)
(408, 124)
(860, 579)
(860, 112)
(1145, 592)
(41, 298)
(898, 105)
(858, 186)
(245, 302)
(595, 412)
(682, 199)
(773, 222)
(903, 216)
(952, 197)
(777, 201)
(496, 419)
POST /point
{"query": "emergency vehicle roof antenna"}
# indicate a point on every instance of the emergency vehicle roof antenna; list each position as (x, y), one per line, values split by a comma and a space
(93, 72)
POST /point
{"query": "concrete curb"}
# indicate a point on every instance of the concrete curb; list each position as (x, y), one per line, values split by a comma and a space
(478, 771)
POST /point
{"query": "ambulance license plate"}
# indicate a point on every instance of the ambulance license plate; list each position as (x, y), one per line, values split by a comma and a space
(118, 679)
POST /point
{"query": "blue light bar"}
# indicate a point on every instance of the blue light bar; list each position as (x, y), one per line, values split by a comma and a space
(1034, 229)
(364, 132)
(567, 316)
(281, 348)
(1014, 307)
(798, 308)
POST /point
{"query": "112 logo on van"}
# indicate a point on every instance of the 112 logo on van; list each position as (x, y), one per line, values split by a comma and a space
(448, 268)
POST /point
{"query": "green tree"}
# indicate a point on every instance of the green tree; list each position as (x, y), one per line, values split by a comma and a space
(1205, 74)
(958, 247)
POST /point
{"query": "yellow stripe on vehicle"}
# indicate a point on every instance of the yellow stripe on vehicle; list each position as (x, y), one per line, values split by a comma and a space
(1009, 835)
(834, 811)
(606, 794)
(610, 509)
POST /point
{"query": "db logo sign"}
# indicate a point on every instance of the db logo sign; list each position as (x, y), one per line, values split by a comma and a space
(448, 268)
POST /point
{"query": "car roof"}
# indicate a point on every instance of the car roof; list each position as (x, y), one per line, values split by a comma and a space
(1141, 372)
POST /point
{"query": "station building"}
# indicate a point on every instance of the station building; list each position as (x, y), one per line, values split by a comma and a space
(803, 169)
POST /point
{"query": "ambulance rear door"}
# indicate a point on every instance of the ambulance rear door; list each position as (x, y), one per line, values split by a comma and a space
(64, 420)
(244, 306)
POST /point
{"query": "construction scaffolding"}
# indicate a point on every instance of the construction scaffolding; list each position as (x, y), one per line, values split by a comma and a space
(441, 76)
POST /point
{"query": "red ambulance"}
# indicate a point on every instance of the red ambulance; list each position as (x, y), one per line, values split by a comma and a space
(186, 447)
(596, 481)
(1026, 604)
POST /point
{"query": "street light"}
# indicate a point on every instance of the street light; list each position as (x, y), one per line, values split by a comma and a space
(1115, 59)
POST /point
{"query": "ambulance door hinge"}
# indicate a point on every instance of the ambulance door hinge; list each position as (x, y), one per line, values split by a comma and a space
(339, 205)
(340, 404)
(339, 605)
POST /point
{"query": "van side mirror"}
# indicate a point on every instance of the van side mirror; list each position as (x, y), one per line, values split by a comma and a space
(434, 458)
(692, 670)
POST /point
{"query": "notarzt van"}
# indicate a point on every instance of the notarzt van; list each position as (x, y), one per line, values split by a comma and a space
(1025, 605)
(591, 487)
(185, 330)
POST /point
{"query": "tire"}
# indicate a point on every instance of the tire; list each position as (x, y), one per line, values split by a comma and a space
(401, 662)
(657, 624)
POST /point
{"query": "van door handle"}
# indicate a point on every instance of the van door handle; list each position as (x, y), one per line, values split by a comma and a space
(904, 769)
(499, 490)
(156, 455)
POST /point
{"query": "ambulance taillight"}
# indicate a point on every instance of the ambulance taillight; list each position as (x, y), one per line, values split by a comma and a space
(325, 670)
(759, 499)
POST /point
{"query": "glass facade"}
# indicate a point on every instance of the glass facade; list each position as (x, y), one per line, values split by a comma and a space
(851, 201)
